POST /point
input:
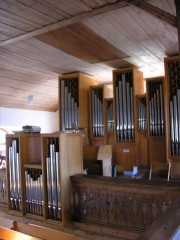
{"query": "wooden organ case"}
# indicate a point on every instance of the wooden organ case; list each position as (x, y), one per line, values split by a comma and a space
(156, 125)
(142, 136)
(101, 114)
(74, 101)
(38, 169)
(127, 83)
(97, 115)
(172, 87)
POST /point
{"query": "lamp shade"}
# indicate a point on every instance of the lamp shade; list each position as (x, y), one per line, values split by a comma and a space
(30, 100)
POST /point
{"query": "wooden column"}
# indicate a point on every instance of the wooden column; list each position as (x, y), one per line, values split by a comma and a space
(177, 4)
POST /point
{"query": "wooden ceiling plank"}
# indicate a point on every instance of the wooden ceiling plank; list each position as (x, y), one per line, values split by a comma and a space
(23, 99)
(36, 56)
(80, 41)
(26, 12)
(18, 60)
(10, 31)
(24, 105)
(69, 62)
(45, 8)
(21, 76)
(166, 5)
(14, 20)
(158, 38)
(98, 3)
(118, 29)
(70, 7)
(28, 86)
(24, 69)
(34, 61)
(110, 27)
(3, 37)
(167, 17)
(11, 22)
(66, 22)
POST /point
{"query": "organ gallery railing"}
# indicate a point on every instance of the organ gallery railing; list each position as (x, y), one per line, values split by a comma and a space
(122, 203)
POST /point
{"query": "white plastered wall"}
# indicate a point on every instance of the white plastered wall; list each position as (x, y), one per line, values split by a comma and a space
(14, 119)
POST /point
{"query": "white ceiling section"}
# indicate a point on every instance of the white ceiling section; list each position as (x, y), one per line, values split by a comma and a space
(43, 39)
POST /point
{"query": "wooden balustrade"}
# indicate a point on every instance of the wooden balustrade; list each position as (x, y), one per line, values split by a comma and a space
(121, 202)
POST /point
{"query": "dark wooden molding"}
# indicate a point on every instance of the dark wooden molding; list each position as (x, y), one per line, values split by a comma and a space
(167, 17)
(177, 4)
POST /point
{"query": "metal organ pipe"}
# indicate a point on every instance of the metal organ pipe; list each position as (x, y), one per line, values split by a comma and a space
(34, 193)
(142, 114)
(175, 124)
(124, 107)
(97, 112)
(110, 118)
(14, 171)
(156, 108)
(69, 103)
(53, 183)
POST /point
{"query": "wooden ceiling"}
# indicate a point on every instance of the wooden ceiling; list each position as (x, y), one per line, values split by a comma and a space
(43, 39)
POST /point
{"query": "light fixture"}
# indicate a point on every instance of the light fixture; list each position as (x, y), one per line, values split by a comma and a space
(30, 99)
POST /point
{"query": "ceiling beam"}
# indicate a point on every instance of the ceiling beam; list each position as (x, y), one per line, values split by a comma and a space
(66, 22)
(177, 4)
(158, 12)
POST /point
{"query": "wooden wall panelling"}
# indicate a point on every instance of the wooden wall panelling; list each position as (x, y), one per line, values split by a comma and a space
(127, 83)
(172, 100)
(90, 152)
(125, 155)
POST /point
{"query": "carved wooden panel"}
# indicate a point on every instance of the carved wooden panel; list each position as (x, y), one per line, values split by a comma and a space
(132, 206)
(3, 187)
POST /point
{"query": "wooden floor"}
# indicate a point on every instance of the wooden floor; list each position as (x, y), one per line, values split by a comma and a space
(21, 228)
